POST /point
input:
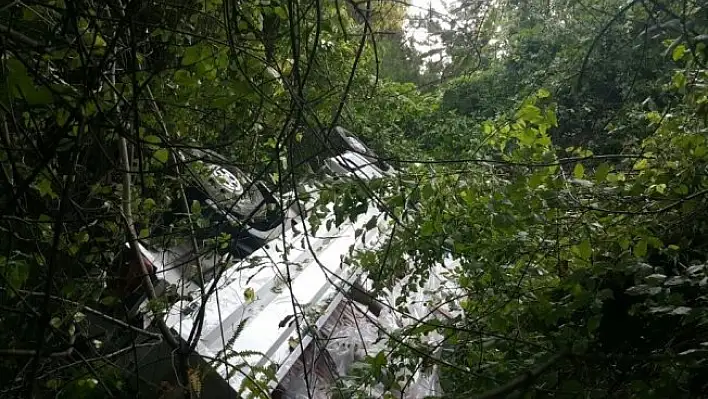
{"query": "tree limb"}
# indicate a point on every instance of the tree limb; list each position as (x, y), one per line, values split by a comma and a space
(92, 311)
(126, 207)
(196, 331)
(19, 37)
(523, 380)
(32, 352)
(133, 239)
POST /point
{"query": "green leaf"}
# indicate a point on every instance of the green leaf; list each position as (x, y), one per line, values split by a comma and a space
(280, 12)
(161, 155)
(28, 14)
(44, 186)
(527, 137)
(379, 360)
(579, 171)
(191, 55)
(427, 191)
(543, 93)
(82, 237)
(271, 142)
(679, 80)
(249, 295)
(641, 165)
(640, 249)
(15, 273)
(109, 300)
(552, 118)
(152, 139)
(681, 310)
(530, 113)
(624, 242)
(89, 383)
(677, 280)
(678, 52)
(601, 172)
(196, 207)
(22, 85)
(536, 180)
(584, 249)
(655, 242)
(183, 77)
(149, 204)
(643, 289)
(427, 229)
(98, 41)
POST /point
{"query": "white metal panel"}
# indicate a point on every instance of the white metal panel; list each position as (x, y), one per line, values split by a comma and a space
(354, 165)
(264, 273)
(311, 282)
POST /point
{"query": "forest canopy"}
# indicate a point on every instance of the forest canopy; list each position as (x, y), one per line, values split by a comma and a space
(556, 151)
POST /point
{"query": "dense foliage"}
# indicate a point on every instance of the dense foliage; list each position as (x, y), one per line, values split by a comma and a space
(582, 266)
(559, 159)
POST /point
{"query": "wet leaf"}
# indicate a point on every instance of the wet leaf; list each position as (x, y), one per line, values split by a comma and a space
(249, 295)
(162, 155)
(601, 172)
(579, 171)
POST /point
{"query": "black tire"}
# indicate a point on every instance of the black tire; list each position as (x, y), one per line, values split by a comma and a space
(341, 138)
(258, 208)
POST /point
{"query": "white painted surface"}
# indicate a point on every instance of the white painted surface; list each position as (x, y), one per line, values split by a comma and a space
(313, 264)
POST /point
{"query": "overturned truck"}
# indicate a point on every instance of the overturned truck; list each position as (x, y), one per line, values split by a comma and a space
(291, 317)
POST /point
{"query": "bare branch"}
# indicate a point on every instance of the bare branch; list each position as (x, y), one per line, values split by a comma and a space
(32, 352)
(19, 37)
(522, 381)
(91, 310)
